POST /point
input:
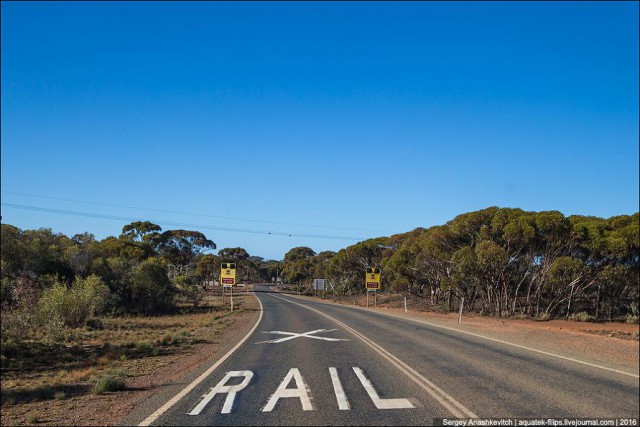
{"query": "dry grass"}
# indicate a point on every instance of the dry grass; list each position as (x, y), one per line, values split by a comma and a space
(38, 370)
(75, 376)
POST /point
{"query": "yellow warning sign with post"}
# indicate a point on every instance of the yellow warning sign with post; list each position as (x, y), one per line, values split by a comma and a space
(228, 274)
(372, 279)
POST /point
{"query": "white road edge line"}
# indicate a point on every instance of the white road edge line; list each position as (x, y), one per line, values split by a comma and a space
(451, 404)
(487, 338)
(164, 408)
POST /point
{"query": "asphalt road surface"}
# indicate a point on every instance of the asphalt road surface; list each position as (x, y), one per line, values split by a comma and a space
(308, 363)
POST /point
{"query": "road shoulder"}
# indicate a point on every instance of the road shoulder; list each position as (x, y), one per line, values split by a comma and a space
(163, 384)
(563, 338)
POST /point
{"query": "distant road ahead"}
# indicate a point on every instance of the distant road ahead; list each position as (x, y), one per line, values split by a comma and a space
(309, 363)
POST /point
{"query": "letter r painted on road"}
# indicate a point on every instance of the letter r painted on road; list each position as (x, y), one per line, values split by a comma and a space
(221, 388)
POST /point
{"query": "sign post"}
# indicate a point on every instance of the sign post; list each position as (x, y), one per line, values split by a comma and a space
(319, 285)
(228, 278)
(372, 283)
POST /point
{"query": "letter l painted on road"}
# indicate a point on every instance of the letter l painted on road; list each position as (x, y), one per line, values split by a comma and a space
(222, 388)
(373, 394)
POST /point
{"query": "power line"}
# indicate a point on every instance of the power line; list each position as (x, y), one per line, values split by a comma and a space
(176, 224)
(191, 213)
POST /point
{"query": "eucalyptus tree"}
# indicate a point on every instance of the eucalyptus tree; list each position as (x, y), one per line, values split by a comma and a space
(141, 231)
(347, 267)
(179, 247)
(208, 267)
(296, 266)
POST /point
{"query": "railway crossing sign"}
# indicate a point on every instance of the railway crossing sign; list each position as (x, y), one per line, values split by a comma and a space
(372, 279)
(228, 274)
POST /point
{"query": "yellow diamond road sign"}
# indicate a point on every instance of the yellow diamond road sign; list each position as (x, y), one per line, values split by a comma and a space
(372, 279)
(228, 274)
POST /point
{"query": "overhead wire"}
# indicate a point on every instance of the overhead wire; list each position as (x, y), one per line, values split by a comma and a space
(176, 224)
(190, 213)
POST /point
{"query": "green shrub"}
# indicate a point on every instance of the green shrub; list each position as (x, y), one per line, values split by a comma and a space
(73, 305)
(166, 339)
(121, 373)
(55, 329)
(189, 289)
(10, 348)
(583, 316)
(16, 323)
(60, 395)
(94, 323)
(33, 418)
(544, 317)
(143, 346)
(108, 383)
(631, 319)
(19, 304)
(179, 337)
(151, 290)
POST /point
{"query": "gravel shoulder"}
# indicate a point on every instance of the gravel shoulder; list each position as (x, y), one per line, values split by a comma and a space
(165, 383)
(145, 391)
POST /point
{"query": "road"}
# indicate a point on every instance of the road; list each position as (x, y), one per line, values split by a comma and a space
(309, 363)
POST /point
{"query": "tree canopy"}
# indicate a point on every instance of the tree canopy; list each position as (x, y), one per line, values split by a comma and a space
(502, 261)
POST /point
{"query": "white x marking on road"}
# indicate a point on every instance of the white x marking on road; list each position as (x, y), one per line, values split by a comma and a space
(293, 335)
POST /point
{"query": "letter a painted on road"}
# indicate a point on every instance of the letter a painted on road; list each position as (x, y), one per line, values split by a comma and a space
(300, 391)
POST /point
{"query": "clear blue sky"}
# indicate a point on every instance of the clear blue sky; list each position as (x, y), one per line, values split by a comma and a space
(356, 119)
